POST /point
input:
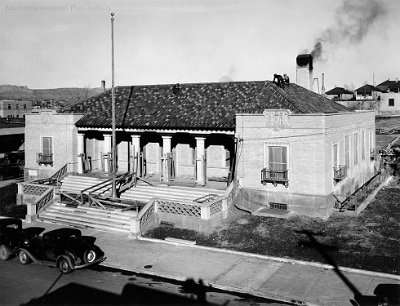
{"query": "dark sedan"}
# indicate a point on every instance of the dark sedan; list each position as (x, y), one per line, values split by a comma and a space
(64, 248)
(13, 236)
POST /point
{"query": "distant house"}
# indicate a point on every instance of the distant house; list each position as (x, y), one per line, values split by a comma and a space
(367, 92)
(14, 108)
(389, 97)
(339, 93)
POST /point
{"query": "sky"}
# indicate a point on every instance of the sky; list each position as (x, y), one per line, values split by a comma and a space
(67, 43)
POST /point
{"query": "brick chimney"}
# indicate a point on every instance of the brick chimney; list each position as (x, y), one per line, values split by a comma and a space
(304, 71)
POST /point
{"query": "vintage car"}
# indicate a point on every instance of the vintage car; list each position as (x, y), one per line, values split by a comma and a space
(10, 171)
(13, 236)
(64, 248)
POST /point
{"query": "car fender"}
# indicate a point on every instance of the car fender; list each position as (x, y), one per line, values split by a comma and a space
(68, 258)
(34, 259)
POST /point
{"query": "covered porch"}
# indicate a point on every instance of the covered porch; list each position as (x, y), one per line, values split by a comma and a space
(188, 158)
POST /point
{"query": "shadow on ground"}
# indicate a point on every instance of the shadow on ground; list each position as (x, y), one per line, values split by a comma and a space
(384, 294)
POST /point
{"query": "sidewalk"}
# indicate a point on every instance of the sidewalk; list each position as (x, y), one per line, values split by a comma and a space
(282, 279)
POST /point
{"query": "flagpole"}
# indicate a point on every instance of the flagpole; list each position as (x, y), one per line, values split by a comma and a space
(114, 142)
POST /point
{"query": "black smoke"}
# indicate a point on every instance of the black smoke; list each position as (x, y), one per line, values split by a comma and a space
(353, 21)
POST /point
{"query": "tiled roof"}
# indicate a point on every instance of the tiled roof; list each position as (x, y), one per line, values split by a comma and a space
(367, 89)
(386, 83)
(197, 106)
(395, 86)
(392, 86)
(338, 91)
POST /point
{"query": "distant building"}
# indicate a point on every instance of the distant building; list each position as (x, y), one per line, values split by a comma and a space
(14, 108)
(366, 97)
(389, 98)
(339, 93)
(367, 92)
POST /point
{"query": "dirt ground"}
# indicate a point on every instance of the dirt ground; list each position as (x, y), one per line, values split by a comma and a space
(370, 241)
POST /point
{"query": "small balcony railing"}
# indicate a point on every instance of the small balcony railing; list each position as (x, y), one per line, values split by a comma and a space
(339, 173)
(275, 177)
(44, 159)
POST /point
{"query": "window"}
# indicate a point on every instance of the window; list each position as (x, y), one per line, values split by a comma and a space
(277, 158)
(227, 158)
(347, 151)
(46, 156)
(17, 106)
(9, 106)
(335, 155)
(356, 149)
(24, 106)
(47, 150)
(391, 102)
(371, 141)
(339, 171)
(276, 170)
(363, 145)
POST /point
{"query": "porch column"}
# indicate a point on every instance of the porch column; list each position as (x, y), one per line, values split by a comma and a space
(133, 163)
(166, 149)
(200, 166)
(80, 149)
(106, 150)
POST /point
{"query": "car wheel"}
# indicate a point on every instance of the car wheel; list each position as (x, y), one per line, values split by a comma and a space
(89, 256)
(24, 257)
(63, 265)
(4, 252)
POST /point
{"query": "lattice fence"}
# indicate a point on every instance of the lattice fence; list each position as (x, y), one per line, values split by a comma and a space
(60, 173)
(216, 207)
(147, 216)
(32, 189)
(177, 208)
(47, 197)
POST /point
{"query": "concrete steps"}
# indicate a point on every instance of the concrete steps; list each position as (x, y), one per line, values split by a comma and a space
(75, 184)
(112, 220)
(88, 217)
(144, 193)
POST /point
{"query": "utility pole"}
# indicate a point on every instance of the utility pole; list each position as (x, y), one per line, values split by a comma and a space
(114, 142)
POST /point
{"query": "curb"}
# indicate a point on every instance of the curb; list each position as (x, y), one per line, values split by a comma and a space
(277, 259)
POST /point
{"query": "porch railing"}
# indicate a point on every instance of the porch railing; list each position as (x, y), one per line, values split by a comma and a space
(91, 194)
(275, 177)
(339, 173)
(353, 202)
(159, 210)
